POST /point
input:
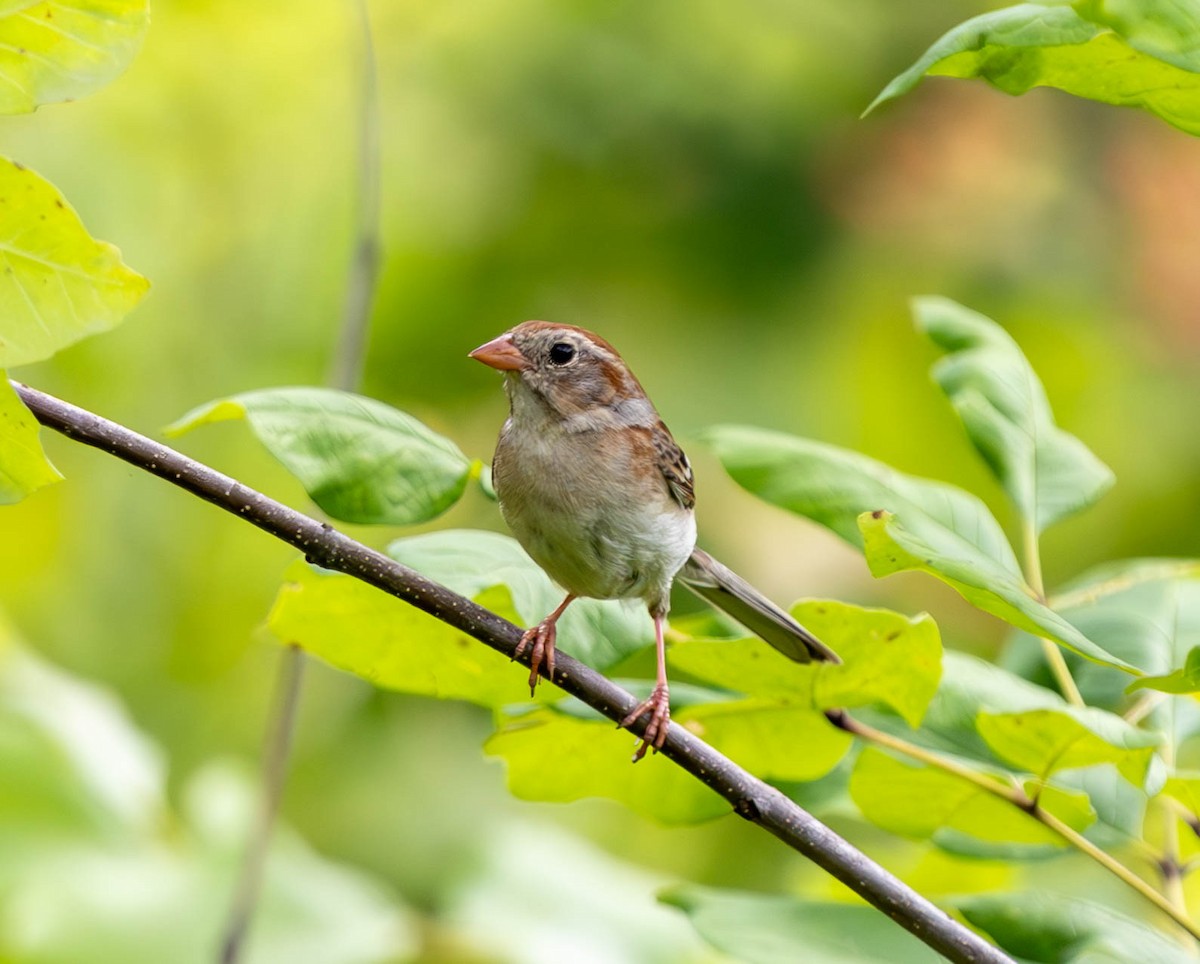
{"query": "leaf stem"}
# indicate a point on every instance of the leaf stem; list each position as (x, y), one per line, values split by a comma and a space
(1033, 575)
(1018, 798)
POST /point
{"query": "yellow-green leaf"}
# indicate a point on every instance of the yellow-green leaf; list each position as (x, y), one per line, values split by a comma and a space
(926, 803)
(890, 547)
(557, 758)
(887, 657)
(57, 283)
(63, 49)
(1045, 740)
(24, 467)
(364, 631)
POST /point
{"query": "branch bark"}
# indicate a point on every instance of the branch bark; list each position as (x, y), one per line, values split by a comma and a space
(323, 545)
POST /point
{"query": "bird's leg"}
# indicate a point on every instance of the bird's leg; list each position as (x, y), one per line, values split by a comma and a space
(542, 637)
(658, 703)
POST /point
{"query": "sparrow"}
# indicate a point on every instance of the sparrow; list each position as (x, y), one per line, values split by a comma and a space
(601, 497)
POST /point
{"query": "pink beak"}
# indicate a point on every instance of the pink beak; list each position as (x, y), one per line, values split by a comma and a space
(501, 354)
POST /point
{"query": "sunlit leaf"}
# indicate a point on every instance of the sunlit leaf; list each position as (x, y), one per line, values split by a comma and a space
(1165, 29)
(469, 561)
(1184, 786)
(1031, 45)
(57, 283)
(24, 467)
(358, 459)
(63, 49)
(1043, 741)
(887, 657)
(834, 486)
(892, 545)
(1184, 680)
(1051, 928)
(770, 929)
(364, 631)
(557, 758)
(929, 804)
(1047, 473)
(569, 752)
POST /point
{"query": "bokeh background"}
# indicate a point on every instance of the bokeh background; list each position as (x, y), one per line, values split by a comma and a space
(693, 180)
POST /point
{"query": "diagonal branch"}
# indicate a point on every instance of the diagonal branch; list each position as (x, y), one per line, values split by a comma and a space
(750, 797)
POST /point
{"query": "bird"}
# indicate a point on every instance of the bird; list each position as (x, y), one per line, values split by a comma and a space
(598, 493)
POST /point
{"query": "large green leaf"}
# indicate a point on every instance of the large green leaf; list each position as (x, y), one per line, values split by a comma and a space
(901, 521)
(570, 753)
(1147, 611)
(24, 467)
(358, 459)
(1031, 45)
(470, 561)
(1165, 29)
(930, 804)
(362, 630)
(1049, 928)
(887, 658)
(834, 486)
(892, 544)
(556, 758)
(57, 284)
(1047, 473)
(63, 49)
(770, 929)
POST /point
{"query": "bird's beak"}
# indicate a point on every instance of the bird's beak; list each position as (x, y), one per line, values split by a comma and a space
(501, 354)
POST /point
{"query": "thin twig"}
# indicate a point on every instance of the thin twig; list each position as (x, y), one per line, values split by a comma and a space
(1054, 657)
(345, 373)
(274, 770)
(1019, 799)
(750, 797)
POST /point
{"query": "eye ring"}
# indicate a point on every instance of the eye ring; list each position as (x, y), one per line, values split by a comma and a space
(562, 353)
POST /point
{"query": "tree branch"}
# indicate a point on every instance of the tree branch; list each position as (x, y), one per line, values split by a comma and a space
(750, 797)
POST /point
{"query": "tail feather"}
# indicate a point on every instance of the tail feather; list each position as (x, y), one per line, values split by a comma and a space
(725, 589)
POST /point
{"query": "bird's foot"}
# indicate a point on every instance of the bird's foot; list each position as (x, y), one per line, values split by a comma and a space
(655, 735)
(541, 637)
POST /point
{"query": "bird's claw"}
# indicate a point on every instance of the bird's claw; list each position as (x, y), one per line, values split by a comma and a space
(655, 734)
(542, 637)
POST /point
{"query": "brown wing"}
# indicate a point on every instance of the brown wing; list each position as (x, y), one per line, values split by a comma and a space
(674, 466)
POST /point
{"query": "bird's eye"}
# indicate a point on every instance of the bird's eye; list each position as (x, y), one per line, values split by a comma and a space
(561, 353)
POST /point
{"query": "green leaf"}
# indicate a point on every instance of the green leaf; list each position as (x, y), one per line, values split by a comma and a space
(1047, 473)
(364, 631)
(24, 467)
(834, 486)
(557, 758)
(63, 49)
(57, 283)
(1165, 29)
(470, 561)
(1184, 680)
(985, 713)
(1030, 45)
(1146, 611)
(936, 527)
(1067, 737)
(770, 929)
(1184, 786)
(359, 460)
(568, 752)
(888, 658)
(891, 545)
(929, 804)
(1056, 929)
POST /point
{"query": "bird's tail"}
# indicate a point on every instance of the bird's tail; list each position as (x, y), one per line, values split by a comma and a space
(725, 589)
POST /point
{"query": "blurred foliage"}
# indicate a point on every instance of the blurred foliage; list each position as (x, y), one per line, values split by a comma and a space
(688, 178)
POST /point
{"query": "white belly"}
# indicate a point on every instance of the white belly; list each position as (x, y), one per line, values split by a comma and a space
(585, 524)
